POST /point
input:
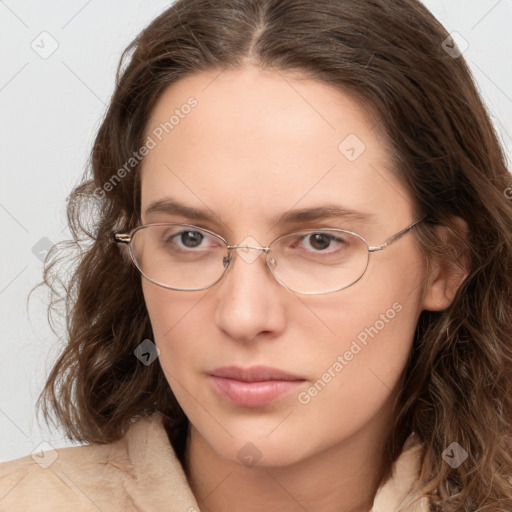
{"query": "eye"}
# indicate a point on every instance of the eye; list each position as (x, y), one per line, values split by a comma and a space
(320, 241)
(188, 239)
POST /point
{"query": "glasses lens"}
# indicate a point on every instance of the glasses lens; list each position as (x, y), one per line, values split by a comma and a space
(178, 256)
(321, 261)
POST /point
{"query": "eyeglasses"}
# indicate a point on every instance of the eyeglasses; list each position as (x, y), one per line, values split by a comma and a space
(188, 258)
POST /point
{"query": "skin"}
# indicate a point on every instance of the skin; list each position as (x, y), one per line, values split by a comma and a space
(258, 144)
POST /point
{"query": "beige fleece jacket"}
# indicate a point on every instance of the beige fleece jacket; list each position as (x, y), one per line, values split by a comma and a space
(141, 473)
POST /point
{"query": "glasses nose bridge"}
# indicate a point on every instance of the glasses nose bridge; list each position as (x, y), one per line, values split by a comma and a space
(245, 247)
(257, 247)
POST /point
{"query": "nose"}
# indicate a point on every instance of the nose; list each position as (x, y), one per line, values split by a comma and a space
(250, 301)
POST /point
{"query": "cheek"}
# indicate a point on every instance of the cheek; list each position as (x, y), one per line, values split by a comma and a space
(178, 327)
(372, 352)
(360, 370)
(357, 383)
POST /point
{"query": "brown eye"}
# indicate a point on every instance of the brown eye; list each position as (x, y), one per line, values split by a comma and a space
(320, 241)
(323, 242)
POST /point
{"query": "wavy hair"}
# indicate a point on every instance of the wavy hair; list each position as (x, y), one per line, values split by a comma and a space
(390, 56)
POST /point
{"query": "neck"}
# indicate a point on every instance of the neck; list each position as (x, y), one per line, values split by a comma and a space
(343, 478)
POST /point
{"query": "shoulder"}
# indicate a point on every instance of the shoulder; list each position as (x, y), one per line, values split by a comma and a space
(139, 472)
(74, 478)
(399, 491)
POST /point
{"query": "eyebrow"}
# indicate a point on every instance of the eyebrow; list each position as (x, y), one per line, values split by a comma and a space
(324, 212)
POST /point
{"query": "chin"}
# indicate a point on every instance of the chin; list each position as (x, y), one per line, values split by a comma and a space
(255, 447)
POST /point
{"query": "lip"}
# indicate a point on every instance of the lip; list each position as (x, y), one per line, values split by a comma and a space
(254, 373)
(252, 387)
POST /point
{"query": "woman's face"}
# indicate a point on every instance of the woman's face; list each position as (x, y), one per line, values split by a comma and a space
(258, 145)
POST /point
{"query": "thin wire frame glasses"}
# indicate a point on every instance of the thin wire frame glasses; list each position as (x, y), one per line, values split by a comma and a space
(316, 261)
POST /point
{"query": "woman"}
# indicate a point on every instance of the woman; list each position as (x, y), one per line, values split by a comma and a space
(296, 294)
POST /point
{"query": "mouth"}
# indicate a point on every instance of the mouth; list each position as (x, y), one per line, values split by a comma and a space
(253, 387)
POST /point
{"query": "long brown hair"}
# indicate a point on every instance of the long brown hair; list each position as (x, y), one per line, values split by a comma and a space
(457, 386)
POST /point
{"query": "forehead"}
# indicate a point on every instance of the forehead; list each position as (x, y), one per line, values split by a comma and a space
(256, 143)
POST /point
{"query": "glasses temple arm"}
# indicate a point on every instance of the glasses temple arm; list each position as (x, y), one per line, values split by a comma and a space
(395, 237)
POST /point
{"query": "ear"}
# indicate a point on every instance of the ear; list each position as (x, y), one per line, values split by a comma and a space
(448, 270)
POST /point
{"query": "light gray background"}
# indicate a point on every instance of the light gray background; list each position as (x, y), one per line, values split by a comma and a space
(51, 109)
